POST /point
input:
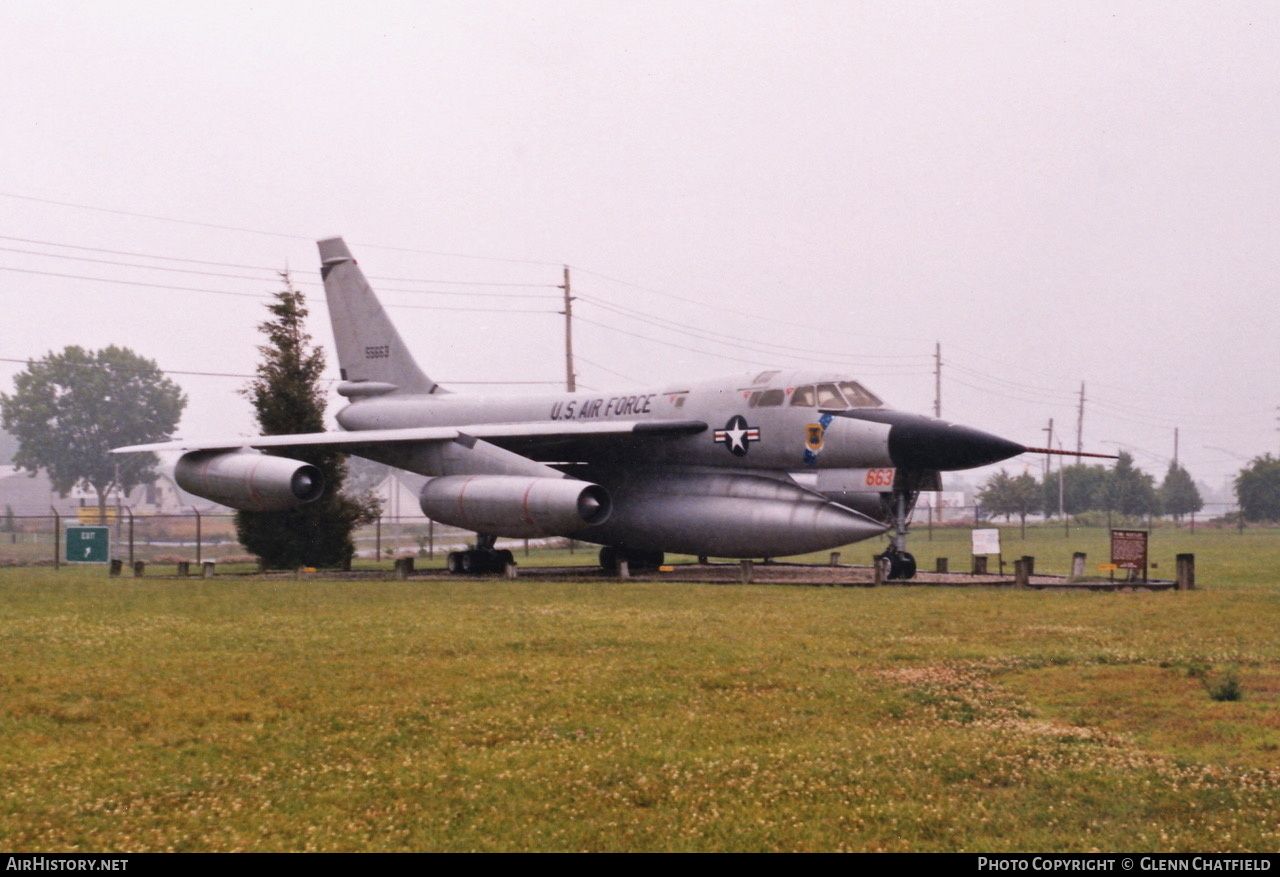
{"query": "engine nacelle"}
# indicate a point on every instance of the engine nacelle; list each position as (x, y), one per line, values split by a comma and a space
(513, 505)
(249, 481)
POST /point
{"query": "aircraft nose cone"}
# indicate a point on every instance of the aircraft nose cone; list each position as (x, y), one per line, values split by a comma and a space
(919, 442)
(922, 443)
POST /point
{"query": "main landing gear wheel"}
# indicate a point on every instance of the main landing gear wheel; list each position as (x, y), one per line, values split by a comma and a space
(896, 564)
(478, 561)
(636, 560)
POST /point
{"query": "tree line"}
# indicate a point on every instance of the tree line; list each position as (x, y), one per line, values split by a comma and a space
(69, 409)
(1126, 490)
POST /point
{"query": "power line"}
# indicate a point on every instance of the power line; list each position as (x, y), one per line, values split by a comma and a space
(163, 286)
(754, 362)
(166, 371)
(616, 374)
(259, 231)
(67, 204)
(194, 222)
(719, 307)
(713, 336)
(329, 380)
(262, 295)
(127, 264)
(135, 254)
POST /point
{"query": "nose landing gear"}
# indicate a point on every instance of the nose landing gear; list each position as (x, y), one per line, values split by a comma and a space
(896, 562)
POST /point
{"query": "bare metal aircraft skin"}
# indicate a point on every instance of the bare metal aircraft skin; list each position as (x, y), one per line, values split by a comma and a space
(765, 465)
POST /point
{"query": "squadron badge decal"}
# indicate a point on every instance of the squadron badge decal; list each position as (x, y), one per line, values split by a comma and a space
(814, 437)
(737, 436)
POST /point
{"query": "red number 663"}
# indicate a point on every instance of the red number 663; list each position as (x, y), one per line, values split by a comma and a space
(879, 478)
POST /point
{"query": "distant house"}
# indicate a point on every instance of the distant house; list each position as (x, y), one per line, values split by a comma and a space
(28, 495)
(398, 494)
(34, 495)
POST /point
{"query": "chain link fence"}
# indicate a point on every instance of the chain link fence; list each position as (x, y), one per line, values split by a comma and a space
(40, 540)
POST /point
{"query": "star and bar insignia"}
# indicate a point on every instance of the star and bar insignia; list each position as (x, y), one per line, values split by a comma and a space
(737, 436)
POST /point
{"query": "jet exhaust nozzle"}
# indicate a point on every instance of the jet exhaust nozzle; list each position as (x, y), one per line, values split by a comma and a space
(249, 481)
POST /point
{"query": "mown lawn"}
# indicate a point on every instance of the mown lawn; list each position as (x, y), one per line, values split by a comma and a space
(273, 714)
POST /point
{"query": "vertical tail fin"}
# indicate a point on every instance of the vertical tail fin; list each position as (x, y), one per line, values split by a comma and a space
(370, 350)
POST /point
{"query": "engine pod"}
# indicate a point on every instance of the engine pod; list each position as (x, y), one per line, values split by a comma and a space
(249, 481)
(516, 506)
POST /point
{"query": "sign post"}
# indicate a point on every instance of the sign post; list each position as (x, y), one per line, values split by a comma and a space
(1129, 551)
(88, 544)
(987, 542)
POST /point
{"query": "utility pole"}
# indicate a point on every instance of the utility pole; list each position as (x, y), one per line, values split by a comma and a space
(1080, 426)
(1175, 447)
(937, 379)
(1048, 444)
(570, 380)
(1062, 512)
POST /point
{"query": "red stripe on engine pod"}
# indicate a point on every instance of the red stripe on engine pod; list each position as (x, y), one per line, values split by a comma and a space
(251, 480)
(524, 505)
(462, 503)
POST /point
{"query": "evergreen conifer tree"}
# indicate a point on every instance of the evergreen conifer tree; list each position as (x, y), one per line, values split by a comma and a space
(287, 398)
(1179, 493)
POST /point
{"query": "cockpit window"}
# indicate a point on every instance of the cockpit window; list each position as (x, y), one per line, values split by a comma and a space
(845, 394)
(767, 398)
(829, 397)
(858, 396)
(803, 396)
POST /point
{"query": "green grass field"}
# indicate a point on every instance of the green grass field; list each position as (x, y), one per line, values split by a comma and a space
(271, 714)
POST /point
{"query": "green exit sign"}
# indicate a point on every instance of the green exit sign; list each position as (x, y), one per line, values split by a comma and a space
(88, 544)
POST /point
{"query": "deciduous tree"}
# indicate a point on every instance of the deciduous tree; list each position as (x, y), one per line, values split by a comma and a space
(1258, 489)
(1008, 495)
(1128, 490)
(1081, 487)
(69, 409)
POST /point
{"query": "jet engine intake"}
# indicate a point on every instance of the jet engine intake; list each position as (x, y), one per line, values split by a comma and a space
(249, 481)
(513, 505)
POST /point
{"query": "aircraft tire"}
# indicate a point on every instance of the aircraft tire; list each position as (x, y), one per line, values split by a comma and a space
(609, 559)
(466, 562)
(897, 567)
(502, 558)
(906, 564)
(886, 565)
(645, 559)
(453, 563)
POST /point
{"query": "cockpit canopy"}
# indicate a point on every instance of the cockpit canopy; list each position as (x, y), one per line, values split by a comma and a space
(833, 394)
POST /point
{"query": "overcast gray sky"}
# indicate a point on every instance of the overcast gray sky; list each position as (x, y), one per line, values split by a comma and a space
(1054, 192)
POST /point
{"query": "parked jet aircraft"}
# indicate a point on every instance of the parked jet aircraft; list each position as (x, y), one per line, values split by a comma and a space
(766, 465)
